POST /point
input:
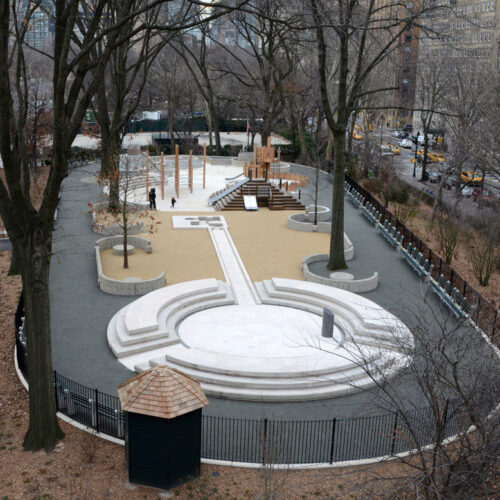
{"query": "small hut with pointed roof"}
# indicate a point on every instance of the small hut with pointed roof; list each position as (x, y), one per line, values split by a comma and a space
(163, 426)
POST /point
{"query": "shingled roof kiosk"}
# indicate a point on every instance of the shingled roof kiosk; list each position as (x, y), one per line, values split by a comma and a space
(163, 427)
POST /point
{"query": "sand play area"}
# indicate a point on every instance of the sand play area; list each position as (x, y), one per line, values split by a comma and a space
(268, 248)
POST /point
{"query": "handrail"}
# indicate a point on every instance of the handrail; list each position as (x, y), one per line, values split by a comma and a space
(232, 178)
(214, 198)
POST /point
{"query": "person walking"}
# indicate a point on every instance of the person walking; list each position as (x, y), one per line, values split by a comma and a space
(174, 201)
(152, 199)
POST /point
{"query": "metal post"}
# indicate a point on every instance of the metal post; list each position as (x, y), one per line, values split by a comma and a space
(451, 278)
(440, 265)
(494, 324)
(204, 164)
(147, 175)
(393, 444)
(97, 410)
(264, 442)
(162, 177)
(55, 391)
(478, 308)
(332, 444)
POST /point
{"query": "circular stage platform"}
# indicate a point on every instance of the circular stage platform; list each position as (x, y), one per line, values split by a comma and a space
(271, 350)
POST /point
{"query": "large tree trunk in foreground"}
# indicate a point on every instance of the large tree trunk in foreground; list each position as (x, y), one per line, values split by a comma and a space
(44, 430)
(337, 257)
(110, 165)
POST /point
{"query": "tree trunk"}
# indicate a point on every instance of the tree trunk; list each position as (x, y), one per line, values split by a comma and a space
(424, 159)
(337, 257)
(215, 125)
(114, 171)
(44, 430)
(302, 138)
(329, 146)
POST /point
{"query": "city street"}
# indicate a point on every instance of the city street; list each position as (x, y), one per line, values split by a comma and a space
(405, 168)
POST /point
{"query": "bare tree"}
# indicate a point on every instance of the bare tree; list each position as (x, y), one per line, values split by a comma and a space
(449, 232)
(261, 59)
(77, 67)
(483, 247)
(348, 50)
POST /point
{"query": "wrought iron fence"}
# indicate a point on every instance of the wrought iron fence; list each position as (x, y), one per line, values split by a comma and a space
(260, 440)
(485, 314)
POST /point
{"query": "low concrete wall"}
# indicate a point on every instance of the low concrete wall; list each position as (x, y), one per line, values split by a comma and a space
(220, 160)
(356, 286)
(136, 241)
(323, 213)
(322, 227)
(135, 286)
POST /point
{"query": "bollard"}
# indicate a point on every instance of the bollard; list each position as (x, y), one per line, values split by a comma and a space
(327, 325)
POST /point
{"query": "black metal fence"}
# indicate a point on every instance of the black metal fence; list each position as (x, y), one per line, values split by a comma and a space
(485, 314)
(265, 440)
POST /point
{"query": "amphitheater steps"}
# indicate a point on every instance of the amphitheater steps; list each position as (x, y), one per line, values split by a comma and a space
(278, 200)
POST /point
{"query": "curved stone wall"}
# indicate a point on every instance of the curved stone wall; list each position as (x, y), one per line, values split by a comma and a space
(129, 286)
(356, 286)
(323, 213)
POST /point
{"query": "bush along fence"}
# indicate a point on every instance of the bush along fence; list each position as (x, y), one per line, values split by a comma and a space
(263, 441)
(453, 290)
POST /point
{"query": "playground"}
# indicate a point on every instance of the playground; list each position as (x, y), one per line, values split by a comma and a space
(237, 309)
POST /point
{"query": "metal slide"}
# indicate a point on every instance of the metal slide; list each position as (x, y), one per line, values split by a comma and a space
(250, 202)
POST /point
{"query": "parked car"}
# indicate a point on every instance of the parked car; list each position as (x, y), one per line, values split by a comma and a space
(486, 197)
(408, 128)
(406, 143)
(396, 150)
(356, 136)
(471, 178)
(466, 191)
(396, 133)
(434, 177)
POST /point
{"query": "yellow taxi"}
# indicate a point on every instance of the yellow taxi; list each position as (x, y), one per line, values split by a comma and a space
(396, 150)
(356, 136)
(371, 127)
(358, 127)
(470, 177)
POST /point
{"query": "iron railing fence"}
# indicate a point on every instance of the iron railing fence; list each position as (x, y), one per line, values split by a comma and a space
(485, 314)
(264, 441)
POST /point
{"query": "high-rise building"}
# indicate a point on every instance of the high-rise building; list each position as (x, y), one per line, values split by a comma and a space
(40, 31)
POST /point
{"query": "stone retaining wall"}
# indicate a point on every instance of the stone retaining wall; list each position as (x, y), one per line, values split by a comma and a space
(130, 286)
(356, 286)
(322, 227)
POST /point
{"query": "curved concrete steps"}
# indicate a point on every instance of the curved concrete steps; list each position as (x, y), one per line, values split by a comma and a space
(150, 324)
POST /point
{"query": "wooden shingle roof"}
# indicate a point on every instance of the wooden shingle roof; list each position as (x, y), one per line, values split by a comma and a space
(161, 392)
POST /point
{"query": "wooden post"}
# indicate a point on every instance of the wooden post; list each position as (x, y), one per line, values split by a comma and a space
(269, 142)
(204, 165)
(162, 177)
(147, 175)
(279, 156)
(177, 170)
(255, 154)
(190, 171)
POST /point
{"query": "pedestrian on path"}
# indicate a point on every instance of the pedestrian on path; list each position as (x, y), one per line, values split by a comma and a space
(174, 201)
(152, 199)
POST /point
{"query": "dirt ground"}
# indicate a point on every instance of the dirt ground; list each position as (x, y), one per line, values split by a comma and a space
(268, 248)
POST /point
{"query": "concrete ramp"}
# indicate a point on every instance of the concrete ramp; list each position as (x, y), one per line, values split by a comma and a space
(250, 202)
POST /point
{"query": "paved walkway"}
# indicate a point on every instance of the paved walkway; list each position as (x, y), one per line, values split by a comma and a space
(80, 312)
